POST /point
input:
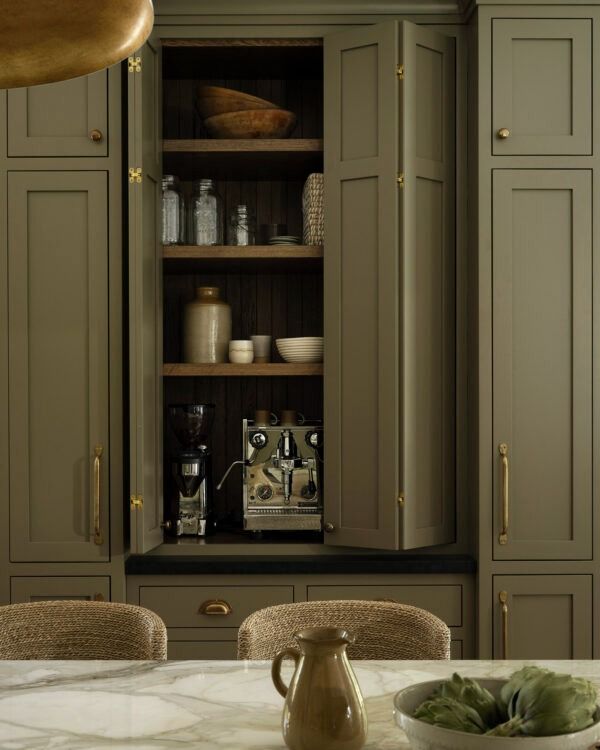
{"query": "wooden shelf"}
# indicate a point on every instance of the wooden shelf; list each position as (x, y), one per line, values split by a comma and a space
(270, 369)
(252, 259)
(235, 42)
(251, 158)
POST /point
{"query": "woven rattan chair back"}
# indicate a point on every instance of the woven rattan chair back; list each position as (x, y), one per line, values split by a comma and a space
(80, 630)
(383, 629)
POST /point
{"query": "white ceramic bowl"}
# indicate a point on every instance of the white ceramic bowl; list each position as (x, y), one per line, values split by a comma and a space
(241, 345)
(423, 736)
(301, 349)
(302, 340)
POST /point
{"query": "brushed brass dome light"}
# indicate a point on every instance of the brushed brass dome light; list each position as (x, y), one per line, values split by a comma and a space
(42, 41)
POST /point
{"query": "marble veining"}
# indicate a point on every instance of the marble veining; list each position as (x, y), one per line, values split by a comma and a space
(199, 705)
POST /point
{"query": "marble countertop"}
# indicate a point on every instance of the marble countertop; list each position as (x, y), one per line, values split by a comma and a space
(198, 705)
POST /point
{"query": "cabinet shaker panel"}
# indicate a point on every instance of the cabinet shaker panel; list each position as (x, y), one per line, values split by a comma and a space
(43, 588)
(542, 617)
(69, 118)
(58, 366)
(542, 364)
(542, 86)
(389, 276)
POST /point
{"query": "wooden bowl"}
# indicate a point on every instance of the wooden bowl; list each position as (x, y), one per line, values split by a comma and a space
(253, 123)
(216, 100)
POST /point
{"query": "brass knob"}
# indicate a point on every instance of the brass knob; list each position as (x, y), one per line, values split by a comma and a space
(328, 528)
(99, 597)
(166, 525)
(503, 133)
(96, 135)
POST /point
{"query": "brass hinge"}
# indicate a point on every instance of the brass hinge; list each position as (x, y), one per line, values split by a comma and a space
(400, 72)
(134, 64)
(401, 499)
(135, 174)
(400, 179)
(136, 501)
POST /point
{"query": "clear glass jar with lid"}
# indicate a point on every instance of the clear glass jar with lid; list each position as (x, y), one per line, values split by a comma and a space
(173, 211)
(241, 227)
(205, 214)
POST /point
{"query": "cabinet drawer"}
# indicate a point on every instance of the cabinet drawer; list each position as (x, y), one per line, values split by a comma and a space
(443, 601)
(179, 605)
(202, 650)
(43, 588)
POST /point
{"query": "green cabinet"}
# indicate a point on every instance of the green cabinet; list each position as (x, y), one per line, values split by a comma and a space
(542, 364)
(43, 588)
(58, 353)
(542, 616)
(542, 86)
(69, 118)
(389, 280)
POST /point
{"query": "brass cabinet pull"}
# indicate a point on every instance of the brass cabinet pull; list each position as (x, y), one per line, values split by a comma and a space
(96, 135)
(503, 536)
(503, 134)
(215, 607)
(503, 597)
(98, 538)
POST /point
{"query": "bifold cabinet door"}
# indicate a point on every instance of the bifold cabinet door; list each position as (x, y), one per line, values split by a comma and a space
(58, 366)
(542, 86)
(542, 364)
(44, 588)
(145, 303)
(543, 617)
(389, 280)
(69, 118)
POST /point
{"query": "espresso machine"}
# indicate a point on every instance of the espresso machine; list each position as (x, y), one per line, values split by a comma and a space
(191, 469)
(282, 475)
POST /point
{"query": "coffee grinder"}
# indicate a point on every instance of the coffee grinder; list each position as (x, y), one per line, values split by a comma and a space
(191, 469)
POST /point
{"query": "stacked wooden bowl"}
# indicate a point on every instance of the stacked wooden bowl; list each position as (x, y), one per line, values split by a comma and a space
(232, 114)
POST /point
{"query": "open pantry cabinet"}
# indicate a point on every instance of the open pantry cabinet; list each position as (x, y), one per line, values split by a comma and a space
(381, 291)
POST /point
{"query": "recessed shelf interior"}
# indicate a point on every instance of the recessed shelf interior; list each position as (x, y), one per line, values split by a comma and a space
(272, 290)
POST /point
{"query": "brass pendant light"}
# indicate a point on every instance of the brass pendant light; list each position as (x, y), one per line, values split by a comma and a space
(42, 41)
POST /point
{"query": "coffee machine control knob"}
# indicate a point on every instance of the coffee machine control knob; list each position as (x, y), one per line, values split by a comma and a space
(264, 492)
(258, 439)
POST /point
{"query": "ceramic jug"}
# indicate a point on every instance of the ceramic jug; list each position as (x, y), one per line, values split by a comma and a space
(324, 709)
(206, 327)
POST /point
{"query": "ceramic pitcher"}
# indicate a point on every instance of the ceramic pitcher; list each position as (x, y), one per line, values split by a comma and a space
(324, 709)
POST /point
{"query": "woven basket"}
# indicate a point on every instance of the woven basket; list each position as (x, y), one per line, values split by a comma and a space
(312, 209)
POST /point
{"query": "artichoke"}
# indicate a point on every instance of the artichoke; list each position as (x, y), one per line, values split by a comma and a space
(450, 714)
(470, 693)
(515, 683)
(542, 703)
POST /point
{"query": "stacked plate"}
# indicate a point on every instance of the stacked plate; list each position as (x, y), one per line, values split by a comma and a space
(284, 239)
(302, 349)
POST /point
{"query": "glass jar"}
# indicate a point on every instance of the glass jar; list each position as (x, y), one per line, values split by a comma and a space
(205, 214)
(173, 211)
(241, 227)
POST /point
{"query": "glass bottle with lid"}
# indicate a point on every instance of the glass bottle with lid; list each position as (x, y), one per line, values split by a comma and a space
(205, 214)
(241, 227)
(173, 211)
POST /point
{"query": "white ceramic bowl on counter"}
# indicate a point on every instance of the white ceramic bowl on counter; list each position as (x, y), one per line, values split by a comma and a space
(423, 736)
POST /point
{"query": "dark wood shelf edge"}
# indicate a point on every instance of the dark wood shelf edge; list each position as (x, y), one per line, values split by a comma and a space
(250, 252)
(233, 42)
(242, 145)
(271, 369)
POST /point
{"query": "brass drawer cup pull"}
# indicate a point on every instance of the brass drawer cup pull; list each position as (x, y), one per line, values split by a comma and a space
(98, 538)
(503, 597)
(96, 135)
(503, 536)
(215, 607)
(503, 134)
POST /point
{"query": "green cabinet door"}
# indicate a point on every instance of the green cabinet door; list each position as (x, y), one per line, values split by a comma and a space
(145, 302)
(389, 281)
(542, 364)
(44, 588)
(58, 366)
(542, 617)
(542, 86)
(69, 118)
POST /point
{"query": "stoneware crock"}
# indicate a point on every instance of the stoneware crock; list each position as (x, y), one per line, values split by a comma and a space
(324, 709)
(423, 736)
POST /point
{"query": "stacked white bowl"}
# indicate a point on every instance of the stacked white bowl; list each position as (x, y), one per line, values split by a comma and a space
(302, 349)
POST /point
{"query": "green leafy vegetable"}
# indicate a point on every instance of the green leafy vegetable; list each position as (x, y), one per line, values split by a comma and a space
(450, 714)
(470, 693)
(548, 704)
(515, 683)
